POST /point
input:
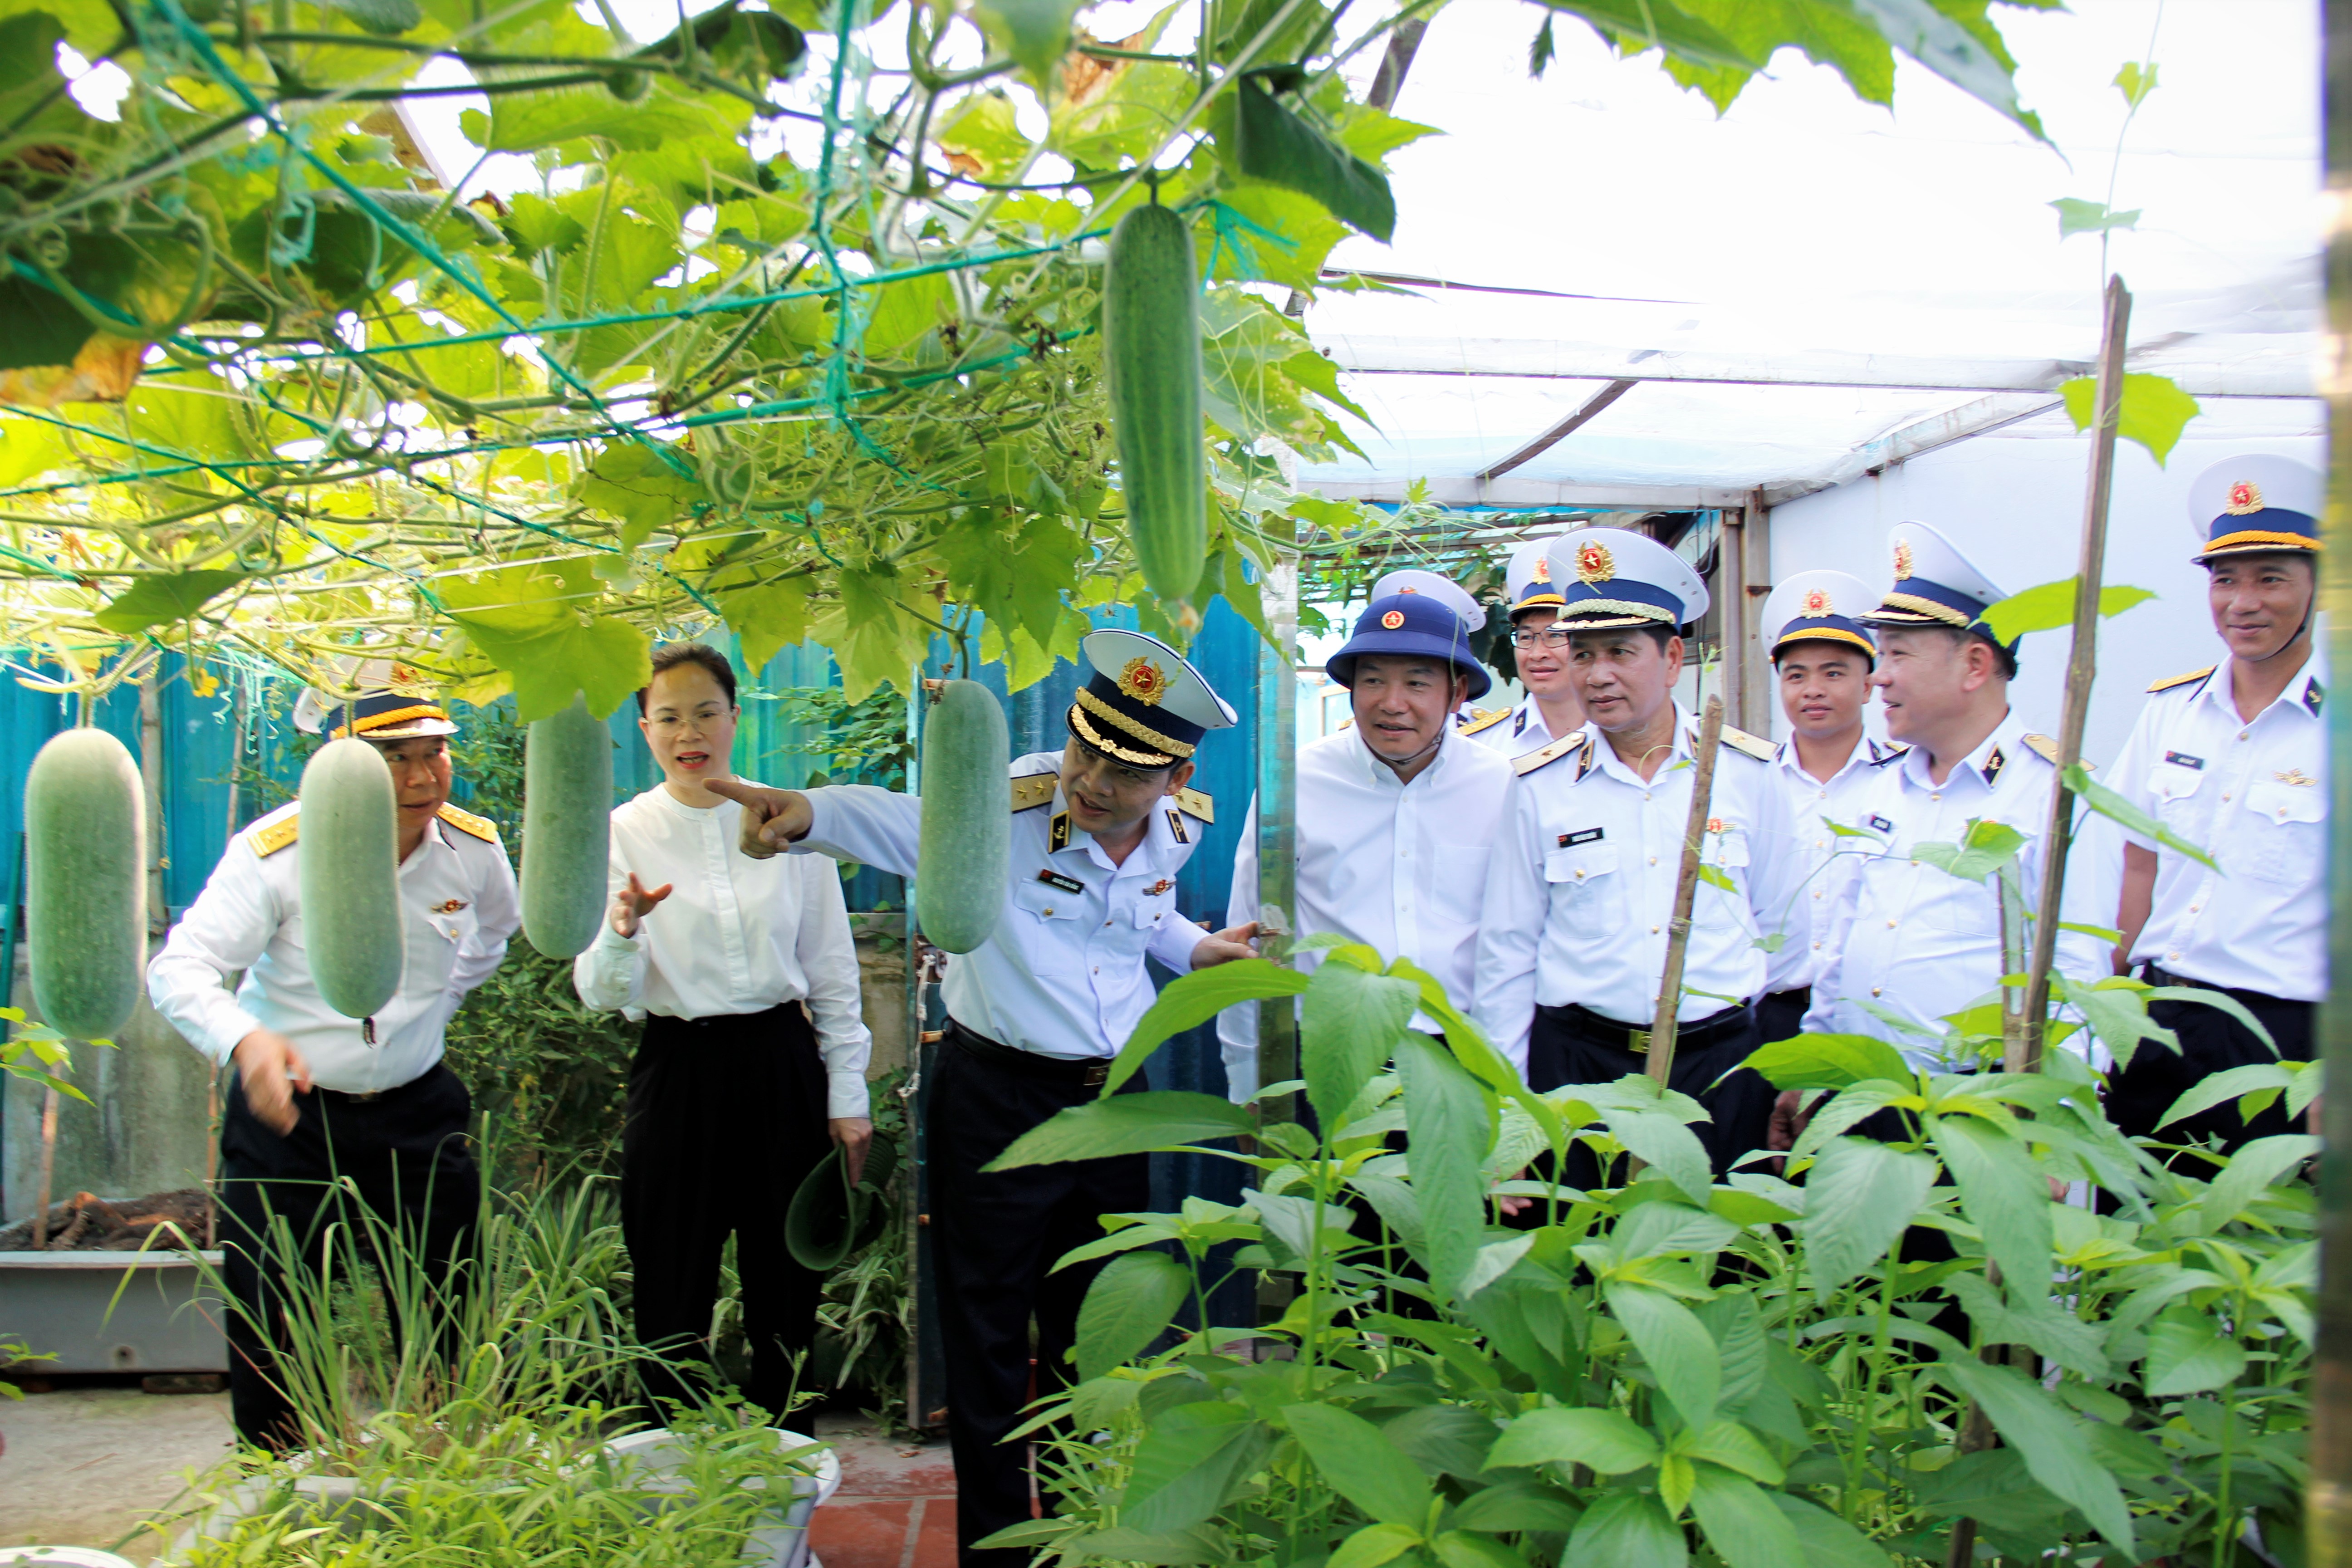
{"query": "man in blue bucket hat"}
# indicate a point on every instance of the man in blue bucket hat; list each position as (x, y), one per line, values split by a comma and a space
(1396, 811)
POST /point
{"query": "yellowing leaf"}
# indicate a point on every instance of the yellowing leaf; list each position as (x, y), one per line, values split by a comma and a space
(2047, 606)
(151, 600)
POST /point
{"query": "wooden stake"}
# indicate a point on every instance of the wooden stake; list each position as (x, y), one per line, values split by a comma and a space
(1665, 1025)
(2081, 667)
(48, 1168)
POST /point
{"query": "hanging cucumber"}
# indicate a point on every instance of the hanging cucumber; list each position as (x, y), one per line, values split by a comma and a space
(1152, 341)
(960, 876)
(86, 883)
(351, 878)
(567, 807)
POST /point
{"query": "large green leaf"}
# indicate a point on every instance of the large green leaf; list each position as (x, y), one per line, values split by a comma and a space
(2108, 804)
(174, 597)
(1185, 1463)
(1829, 1542)
(1634, 25)
(1360, 1465)
(1970, 58)
(1859, 1197)
(2154, 413)
(1829, 1061)
(2250, 1173)
(1034, 33)
(2001, 1190)
(2050, 1438)
(2188, 1354)
(1130, 1302)
(1741, 1523)
(1273, 145)
(2046, 606)
(1451, 1127)
(1627, 1530)
(1827, 32)
(1982, 850)
(1125, 1124)
(1679, 1352)
(534, 623)
(1191, 1000)
(1349, 1024)
(1602, 1440)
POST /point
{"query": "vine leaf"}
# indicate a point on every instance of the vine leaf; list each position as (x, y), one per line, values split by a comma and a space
(1035, 33)
(2046, 606)
(386, 18)
(2154, 412)
(153, 600)
(531, 622)
(769, 618)
(2077, 216)
(1273, 145)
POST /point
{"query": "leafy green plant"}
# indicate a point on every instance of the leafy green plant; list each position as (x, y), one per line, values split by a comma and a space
(861, 740)
(1757, 1370)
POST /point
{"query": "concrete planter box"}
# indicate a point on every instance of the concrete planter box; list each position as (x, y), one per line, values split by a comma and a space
(338, 1502)
(115, 1312)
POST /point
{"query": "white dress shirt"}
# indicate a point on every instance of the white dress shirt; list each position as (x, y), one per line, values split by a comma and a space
(1581, 887)
(1401, 868)
(2252, 794)
(458, 908)
(1064, 974)
(1831, 860)
(1523, 731)
(1923, 943)
(736, 935)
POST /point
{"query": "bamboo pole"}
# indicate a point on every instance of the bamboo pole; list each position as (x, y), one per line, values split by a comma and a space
(1666, 1022)
(2329, 1509)
(2082, 668)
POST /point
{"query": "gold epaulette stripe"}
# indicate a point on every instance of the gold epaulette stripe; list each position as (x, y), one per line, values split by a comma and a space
(1484, 722)
(1753, 745)
(1529, 761)
(2046, 748)
(269, 840)
(481, 828)
(1031, 791)
(1196, 803)
(2170, 681)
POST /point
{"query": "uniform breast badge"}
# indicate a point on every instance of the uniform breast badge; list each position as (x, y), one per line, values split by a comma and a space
(450, 908)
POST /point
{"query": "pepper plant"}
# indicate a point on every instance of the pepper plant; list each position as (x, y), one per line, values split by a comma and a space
(1766, 1371)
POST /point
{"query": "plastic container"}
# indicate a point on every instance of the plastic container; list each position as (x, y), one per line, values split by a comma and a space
(782, 1544)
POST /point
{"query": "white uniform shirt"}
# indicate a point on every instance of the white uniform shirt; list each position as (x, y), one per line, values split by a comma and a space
(1401, 868)
(736, 935)
(1830, 860)
(1581, 887)
(1923, 943)
(458, 908)
(1522, 732)
(2252, 794)
(1064, 972)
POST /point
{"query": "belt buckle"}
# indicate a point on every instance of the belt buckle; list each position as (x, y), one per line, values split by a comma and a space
(1096, 1074)
(1638, 1041)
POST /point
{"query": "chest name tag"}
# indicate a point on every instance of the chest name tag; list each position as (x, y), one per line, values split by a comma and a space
(1068, 884)
(1590, 836)
(2183, 760)
(1880, 824)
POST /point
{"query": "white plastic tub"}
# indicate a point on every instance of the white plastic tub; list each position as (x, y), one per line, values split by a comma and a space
(780, 1544)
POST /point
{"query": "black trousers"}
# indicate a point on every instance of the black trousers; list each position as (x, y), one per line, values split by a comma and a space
(725, 1118)
(1781, 1014)
(2210, 1042)
(995, 1238)
(1571, 1044)
(406, 1157)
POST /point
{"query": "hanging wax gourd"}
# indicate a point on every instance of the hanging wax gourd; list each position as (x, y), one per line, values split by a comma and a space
(86, 883)
(960, 875)
(567, 805)
(351, 878)
(1151, 341)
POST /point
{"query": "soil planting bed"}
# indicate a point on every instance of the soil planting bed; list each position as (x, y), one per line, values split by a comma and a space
(86, 1223)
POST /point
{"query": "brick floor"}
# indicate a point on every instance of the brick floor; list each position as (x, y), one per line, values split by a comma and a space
(896, 1508)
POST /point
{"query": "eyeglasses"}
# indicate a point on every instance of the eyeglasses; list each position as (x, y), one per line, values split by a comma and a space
(1550, 637)
(671, 724)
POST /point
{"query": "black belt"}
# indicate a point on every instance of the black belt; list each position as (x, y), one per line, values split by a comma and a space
(1697, 1035)
(1090, 1074)
(2155, 975)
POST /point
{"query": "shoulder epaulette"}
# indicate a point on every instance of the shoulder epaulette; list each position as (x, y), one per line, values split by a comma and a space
(2046, 748)
(277, 835)
(1882, 752)
(481, 828)
(1196, 803)
(1753, 745)
(1032, 790)
(1529, 761)
(1482, 720)
(2168, 682)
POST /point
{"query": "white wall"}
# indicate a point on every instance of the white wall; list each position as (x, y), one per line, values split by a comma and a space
(2015, 506)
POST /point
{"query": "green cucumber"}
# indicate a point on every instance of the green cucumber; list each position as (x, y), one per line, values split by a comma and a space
(1151, 341)
(86, 883)
(349, 871)
(961, 874)
(567, 830)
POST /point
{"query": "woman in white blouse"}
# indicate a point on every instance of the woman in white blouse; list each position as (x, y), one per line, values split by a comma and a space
(753, 1060)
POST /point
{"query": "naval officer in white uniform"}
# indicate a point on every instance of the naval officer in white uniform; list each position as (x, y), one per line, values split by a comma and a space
(1539, 652)
(1035, 1015)
(318, 1099)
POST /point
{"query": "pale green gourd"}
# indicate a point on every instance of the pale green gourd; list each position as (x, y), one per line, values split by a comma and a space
(567, 808)
(1151, 344)
(86, 883)
(350, 873)
(961, 874)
